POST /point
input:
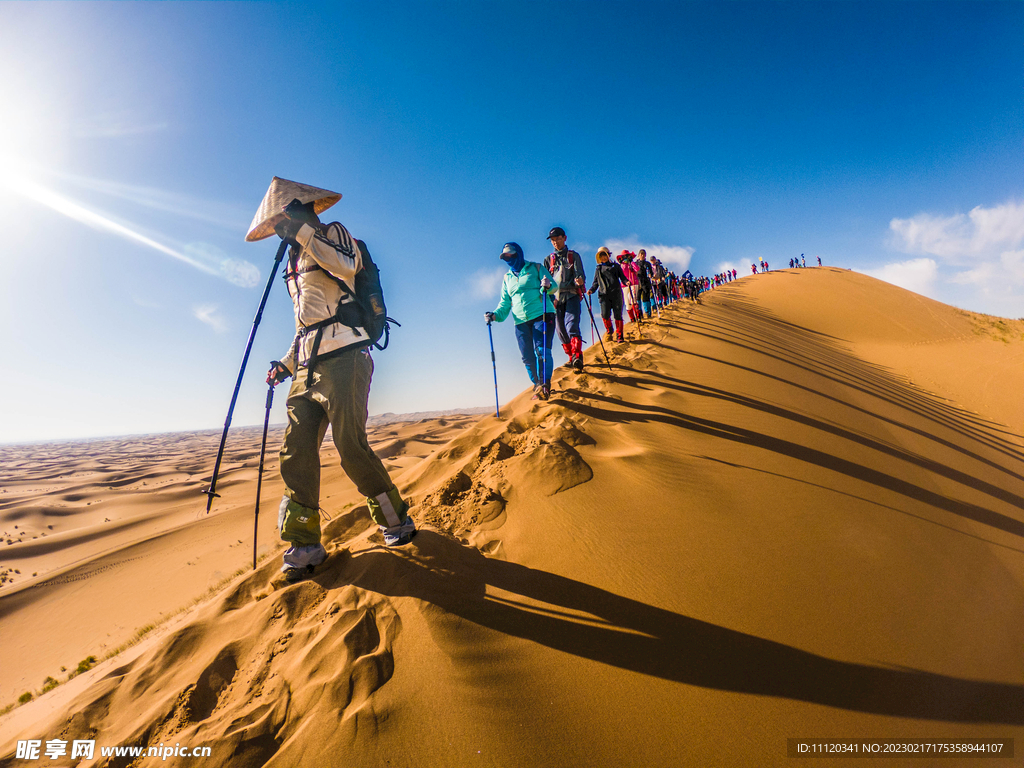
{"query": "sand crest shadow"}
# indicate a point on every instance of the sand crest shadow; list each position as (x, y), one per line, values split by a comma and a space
(593, 623)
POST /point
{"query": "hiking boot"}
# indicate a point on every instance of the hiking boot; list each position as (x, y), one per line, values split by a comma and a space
(618, 331)
(608, 329)
(576, 345)
(299, 561)
(568, 353)
(537, 392)
(400, 534)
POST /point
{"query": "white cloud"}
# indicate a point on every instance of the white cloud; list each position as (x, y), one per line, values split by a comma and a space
(962, 239)
(115, 125)
(242, 273)
(236, 271)
(1013, 266)
(210, 314)
(983, 248)
(917, 275)
(676, 257)
(979, 276)
(486, 283)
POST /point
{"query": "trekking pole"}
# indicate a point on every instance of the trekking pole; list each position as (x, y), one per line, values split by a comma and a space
(638, 310)
(211, 492)
(544, 341)
(259, 476)
(593, 327)
(497, 410)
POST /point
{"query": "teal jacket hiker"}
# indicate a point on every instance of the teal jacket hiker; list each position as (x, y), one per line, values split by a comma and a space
(520, 294)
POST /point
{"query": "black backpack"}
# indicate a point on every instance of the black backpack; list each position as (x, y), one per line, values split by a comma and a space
(367, 309)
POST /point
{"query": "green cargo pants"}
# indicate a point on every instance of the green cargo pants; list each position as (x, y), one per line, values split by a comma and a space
(337, 397)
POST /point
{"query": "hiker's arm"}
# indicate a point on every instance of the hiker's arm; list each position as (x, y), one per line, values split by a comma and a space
(288, 361)
(341, 258)
(504, 304)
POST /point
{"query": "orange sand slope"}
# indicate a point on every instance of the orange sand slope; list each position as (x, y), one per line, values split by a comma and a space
(795, 510)
(104, 537)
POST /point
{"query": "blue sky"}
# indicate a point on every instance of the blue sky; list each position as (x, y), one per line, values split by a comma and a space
(137, 140)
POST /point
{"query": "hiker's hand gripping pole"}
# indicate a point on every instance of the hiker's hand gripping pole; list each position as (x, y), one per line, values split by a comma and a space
(211, 492)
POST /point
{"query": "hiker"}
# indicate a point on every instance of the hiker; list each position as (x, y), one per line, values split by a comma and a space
(608, 281)
(631, 286)
(643, 271)
(331, 368)
(819, 261)
(522, 291)
(659, 275)
(566, 270)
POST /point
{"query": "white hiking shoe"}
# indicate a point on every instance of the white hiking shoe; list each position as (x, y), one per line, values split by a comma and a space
(300, 561)
(398, 535)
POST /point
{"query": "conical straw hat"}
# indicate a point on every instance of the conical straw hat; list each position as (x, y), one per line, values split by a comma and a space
(281, 193)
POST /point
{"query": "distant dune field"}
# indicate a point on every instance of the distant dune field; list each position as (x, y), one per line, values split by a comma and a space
(795, 510)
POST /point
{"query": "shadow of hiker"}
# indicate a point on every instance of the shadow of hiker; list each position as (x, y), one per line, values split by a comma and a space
(585, 621)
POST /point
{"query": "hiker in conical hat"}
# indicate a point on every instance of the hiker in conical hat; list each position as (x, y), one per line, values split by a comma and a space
(331, 368)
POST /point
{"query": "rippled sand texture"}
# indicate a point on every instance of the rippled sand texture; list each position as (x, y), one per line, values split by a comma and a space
(793, 510)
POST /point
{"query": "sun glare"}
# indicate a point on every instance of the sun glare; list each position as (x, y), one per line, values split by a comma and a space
(18, 183)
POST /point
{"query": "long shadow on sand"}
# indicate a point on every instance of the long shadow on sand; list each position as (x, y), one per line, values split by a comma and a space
(652, 379)
(588, 622)
(640, 413)
(755, 330)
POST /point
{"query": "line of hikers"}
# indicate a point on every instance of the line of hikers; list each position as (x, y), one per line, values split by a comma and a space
(629, 284)
(336, 322)
(799, 263)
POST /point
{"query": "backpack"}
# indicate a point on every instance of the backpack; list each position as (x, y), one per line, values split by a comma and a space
(565, 273)
(367, 309)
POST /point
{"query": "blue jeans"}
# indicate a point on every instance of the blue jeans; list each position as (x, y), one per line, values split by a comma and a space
(567, 315)
(534, 346)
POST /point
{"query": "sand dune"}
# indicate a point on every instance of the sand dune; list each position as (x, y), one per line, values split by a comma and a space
(104, 537)
(795, 510)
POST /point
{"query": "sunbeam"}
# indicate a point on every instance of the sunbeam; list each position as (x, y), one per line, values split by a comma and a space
(236, 271)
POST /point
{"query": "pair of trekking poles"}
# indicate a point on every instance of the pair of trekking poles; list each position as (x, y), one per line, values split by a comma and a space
(211, 492)
(544, 343)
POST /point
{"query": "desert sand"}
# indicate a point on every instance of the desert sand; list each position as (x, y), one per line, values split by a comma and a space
(795, 510)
